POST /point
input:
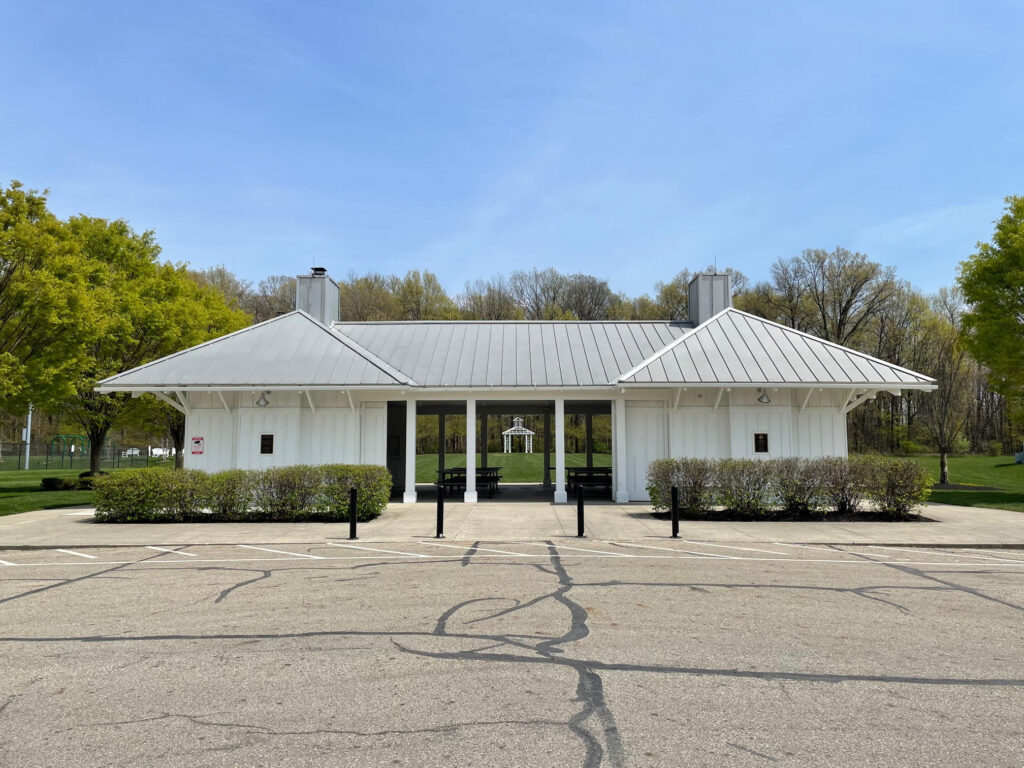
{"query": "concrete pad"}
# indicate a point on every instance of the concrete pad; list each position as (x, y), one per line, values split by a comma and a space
(522, 521)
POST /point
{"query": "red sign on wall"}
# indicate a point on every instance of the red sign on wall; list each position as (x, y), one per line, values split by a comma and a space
(197, 446)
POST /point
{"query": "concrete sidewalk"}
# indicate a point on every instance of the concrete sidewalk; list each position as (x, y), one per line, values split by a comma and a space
(526, 521)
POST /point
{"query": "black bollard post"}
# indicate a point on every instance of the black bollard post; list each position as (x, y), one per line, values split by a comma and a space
(440, 511)
(675, 512)
(352, 519)
(579, 510)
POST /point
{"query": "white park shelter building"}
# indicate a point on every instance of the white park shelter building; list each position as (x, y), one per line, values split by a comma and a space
(306, 388)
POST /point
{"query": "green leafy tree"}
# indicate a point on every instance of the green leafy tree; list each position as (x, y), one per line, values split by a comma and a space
(992, 281)
(42, 301)
(141, 309)
(945, 411)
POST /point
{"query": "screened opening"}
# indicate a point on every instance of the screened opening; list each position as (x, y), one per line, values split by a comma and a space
(760, 442)
(266, 444)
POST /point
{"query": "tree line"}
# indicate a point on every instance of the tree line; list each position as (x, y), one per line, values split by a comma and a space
(84, 298)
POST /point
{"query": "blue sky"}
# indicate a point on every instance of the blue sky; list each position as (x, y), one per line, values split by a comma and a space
(627, 140)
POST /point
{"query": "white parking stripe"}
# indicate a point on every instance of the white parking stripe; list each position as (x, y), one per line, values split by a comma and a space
(374, 549)
(805, 546)
(1002, 557)
(579, 549)
(280, 552)
(172, 551)
(72, 552)
(728, 546)
(941, 554)
(672, 549)
(475, 549)
(4, 562)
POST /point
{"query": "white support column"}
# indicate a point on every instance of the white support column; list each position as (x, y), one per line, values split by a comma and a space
(410, 451)
(621, 473)
(470, 497)
(560, 495)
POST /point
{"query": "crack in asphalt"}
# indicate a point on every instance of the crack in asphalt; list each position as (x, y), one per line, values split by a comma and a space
(593, 723)
(262, 729)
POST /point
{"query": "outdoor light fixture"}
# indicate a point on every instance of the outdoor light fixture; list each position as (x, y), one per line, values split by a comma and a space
(763, 397)
(263, 402)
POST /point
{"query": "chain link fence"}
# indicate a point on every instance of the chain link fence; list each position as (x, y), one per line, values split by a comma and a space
(12, 457)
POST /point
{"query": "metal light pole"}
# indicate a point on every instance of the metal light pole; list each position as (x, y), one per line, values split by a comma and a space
(28, 435)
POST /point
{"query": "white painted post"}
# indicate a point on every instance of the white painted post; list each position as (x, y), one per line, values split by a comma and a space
(470, 497)
(28, 437)
(621, 473)
(410, 451)
(560, 496)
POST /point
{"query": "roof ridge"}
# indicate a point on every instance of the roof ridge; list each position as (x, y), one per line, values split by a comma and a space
(663, 351)
(379, 362)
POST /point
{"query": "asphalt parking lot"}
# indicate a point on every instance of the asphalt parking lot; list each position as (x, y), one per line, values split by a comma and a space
(561, 653)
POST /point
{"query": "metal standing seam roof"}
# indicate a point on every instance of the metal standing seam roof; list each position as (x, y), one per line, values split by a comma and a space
(513, 353)
(734, 347)
(285, 351)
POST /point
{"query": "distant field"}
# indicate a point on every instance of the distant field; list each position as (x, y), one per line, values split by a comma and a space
(995, 471)
(515, 467)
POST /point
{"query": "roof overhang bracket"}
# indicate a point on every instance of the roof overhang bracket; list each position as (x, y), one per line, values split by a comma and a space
(184, 401)
(854, 400)
(679, 394)
(309, 400)
(224, 402)
(807, 399)
(718, 399)
(351, 404)
(844, 408)
(163, 397)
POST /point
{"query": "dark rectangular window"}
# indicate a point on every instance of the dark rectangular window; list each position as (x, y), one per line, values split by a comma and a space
(266, 443)
(760, 442)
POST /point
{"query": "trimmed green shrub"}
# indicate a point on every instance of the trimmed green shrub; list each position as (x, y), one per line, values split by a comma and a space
(60, 484)
(135, 496)
(372, 483)
(797, 485)
(744, 486)
(279, 494)
(695, 479)
(897, 486)
(844, 483)
(287, 493)
(229, 494)
(787, 487)
(659, 482)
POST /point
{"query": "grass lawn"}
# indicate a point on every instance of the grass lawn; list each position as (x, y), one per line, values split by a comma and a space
(515, 467)
(19, 491)
(996, 471)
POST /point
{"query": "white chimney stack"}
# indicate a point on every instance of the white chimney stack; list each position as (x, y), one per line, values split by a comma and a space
(317, 295)
(709, 295)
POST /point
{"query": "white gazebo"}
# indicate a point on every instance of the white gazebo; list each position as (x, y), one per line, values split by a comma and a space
(517, 430)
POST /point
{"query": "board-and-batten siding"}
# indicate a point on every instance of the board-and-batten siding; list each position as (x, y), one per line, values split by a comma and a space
(328, 436)
(655, 430)
(646, 440)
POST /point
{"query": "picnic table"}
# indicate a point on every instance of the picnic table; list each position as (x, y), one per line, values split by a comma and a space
(454, 478)
(588, 477)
